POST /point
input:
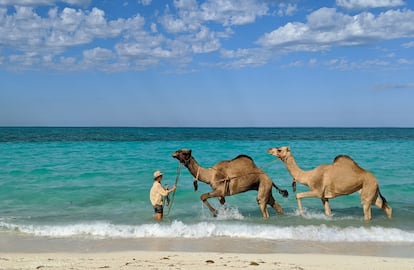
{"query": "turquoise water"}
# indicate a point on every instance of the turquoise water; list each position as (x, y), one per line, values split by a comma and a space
(94, 182)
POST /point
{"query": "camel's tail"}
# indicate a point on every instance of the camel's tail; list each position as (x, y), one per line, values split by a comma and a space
(387, 209)
(284, 192)
(384, 201)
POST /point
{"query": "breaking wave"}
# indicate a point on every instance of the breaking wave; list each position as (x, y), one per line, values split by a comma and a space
(321, 233)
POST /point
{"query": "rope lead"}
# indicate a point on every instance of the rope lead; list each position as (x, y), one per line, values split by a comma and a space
(173, 195)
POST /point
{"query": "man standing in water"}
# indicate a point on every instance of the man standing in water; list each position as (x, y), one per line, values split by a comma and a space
(156, 193)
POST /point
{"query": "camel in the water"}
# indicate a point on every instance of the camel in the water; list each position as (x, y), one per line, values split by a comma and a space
(231, 177)
(344, 176)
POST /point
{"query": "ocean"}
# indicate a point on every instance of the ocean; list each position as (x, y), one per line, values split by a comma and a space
(94, 183)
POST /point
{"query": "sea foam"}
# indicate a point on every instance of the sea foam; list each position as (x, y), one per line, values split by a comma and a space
(320, 233)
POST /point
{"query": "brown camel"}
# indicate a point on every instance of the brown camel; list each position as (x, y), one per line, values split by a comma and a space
(231, 177)
(344, 176)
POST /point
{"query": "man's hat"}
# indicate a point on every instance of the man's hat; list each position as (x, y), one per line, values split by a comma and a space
(157, 174)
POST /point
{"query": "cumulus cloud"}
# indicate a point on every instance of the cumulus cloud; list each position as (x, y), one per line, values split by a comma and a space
(97, 55)
(286, 9)
(176, 25)
(244, 57)
(190, 16)
(408, 44)
(233, 12)
(362, 4)
(26, 31)
(65, 32)
(205, 41)
(326, 27)
(83, 3)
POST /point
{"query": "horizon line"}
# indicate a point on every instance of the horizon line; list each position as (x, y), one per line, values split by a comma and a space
(207, 127)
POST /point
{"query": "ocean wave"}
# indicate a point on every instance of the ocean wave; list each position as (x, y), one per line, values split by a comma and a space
(320, 233)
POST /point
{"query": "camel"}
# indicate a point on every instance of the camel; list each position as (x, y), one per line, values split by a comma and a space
(231, 177)
(343, 177)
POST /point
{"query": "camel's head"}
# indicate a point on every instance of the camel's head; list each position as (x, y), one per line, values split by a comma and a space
(281, 152)
(182, 155)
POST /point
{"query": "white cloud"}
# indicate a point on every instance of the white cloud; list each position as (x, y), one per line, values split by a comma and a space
(244, 57)
(313, 62)
(64, 28)
(362, 4)
(83, 3)
(205, 41)
(175, 25)
(145, 2)
(25, 30)
(345, 64)
(154, 27)
(408, 44)
(286, 9)
(233, 12)
(67, 60)
(97, 55)
(404, 61)
(142, 50)
(58, 38)
(190, 16)
(326, 28)
(98, 58)
(185, 17)
(25, 2)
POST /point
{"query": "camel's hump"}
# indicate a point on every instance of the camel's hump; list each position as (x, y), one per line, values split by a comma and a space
(342, 156)
(346, 157)
(243, 156)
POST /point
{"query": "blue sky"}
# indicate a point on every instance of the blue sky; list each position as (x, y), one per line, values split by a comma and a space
(343, 63)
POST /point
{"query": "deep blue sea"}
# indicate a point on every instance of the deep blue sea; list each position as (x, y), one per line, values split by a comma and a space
(95, 182)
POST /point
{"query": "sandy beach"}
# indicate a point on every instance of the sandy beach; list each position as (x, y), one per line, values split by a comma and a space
(197, 260)
(214, 253)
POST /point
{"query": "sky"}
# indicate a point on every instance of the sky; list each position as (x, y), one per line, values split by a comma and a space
(212, 63)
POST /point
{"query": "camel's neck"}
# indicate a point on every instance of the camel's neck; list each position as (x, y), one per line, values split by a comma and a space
(199, 173)
(297, 173)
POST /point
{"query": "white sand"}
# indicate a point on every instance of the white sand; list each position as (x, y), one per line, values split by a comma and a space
(197, 260)
(25, 252)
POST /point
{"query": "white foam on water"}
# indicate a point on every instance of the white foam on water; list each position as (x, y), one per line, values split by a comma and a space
(229, 213)
(320, 215)
(321, 233)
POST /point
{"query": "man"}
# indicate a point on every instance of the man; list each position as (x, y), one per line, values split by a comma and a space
(156, 194)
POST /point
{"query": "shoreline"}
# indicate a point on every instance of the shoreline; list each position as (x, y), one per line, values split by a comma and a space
(29, 252)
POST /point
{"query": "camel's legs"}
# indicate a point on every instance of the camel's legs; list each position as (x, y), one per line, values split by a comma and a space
(369, 196)
(262, 205)
(206, 196)
(300, 209)
(367, 211)
(222, 200)
(300, 196)
(325, 203)
(272, 202)
(263, 197)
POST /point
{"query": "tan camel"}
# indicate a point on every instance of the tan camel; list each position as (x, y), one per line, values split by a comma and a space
(231, 177)
(344, 176)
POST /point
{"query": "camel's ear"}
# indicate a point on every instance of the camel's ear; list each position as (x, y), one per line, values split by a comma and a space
(288, 148)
